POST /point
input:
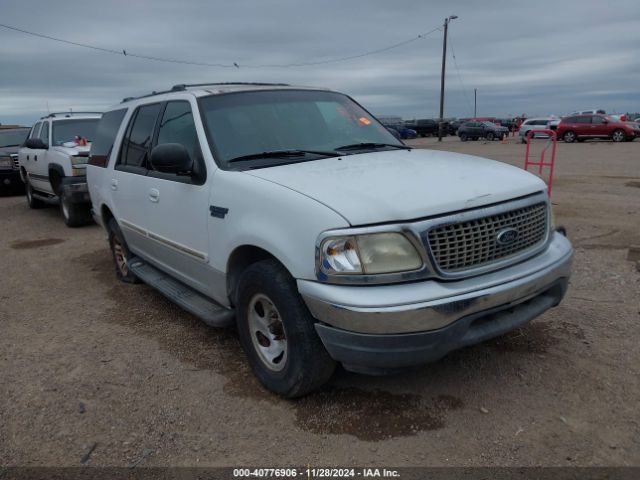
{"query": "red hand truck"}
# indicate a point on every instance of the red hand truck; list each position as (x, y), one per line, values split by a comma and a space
(553, 140)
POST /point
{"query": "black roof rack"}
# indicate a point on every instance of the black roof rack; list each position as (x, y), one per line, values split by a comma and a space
(68, 114)
(181, 87)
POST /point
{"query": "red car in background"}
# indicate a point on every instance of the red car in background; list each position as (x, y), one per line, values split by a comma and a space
(580, 127)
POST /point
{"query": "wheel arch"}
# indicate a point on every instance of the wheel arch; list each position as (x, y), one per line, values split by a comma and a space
(56, 174)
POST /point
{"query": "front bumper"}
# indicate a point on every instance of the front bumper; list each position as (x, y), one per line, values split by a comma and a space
(394, 326)
(76, 190)
(10, 179)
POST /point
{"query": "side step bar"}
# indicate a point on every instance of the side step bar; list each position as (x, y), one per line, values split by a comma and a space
(49, 199)
(207, 310)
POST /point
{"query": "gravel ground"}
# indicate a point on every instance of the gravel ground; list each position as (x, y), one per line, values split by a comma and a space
(111, 374)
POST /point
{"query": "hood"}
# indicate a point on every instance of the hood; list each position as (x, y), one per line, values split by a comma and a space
(5, 151)
(72, 150)
(400, 185)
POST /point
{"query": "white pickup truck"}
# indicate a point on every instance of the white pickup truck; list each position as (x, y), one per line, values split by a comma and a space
(53, 164)
(294, 214)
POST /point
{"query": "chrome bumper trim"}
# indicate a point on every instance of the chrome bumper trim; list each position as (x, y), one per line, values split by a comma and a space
(429, 305)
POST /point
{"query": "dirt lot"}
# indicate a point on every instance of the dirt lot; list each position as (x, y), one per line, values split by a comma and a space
(89, 364)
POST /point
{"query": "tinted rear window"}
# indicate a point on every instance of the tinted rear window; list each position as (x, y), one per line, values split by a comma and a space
(105, 135)
(135, 147)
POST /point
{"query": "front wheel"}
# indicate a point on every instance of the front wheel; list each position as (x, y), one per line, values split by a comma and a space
(277, 332)
(463, 137)
(618, 135)
(74, 214)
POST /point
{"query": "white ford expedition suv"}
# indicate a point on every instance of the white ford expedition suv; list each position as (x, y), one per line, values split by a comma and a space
(53, 164)
(293, 213)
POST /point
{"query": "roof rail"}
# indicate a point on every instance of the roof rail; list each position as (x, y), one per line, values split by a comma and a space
(68, 114)
(181, 87)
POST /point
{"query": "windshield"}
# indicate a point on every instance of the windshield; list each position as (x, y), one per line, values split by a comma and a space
(251, 123)
(13, 138)
(67, 130)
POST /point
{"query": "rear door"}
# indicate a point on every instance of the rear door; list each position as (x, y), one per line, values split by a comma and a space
(583, 126)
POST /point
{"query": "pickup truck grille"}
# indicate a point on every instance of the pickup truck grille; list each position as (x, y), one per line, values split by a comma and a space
(474, 243)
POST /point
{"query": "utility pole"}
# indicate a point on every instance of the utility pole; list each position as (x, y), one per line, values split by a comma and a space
(444, 64)
(475, 102)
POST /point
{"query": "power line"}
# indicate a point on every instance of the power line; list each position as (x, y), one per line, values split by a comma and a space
(455, 62)
(127, 53)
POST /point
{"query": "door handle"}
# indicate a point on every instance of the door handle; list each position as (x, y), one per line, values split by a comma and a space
(35, 157)
(27, 157)
(114, 184)
(154, 195)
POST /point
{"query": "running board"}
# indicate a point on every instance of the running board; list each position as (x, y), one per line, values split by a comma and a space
(49, 199)
(207, 310)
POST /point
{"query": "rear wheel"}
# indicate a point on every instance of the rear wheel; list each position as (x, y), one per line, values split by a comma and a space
(31, 200)
(569, 137)
(618, 136)
(120, 253)
(74, 214)
(277, 332)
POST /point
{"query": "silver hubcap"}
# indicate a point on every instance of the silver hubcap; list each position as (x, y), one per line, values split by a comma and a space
(65, 209)
(617, 136)
(569, 137)
(267, 332)
(121, 258)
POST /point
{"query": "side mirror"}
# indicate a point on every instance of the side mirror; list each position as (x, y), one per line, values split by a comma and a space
(35, 144)
(171, 158)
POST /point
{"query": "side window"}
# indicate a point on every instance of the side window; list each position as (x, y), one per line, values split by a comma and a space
(177, 126)
(597, 120)
(136, 145)
(105, 136)
(44, 133)
(35, 131)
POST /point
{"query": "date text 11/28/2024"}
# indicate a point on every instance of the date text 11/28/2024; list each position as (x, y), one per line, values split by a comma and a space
(309, 472)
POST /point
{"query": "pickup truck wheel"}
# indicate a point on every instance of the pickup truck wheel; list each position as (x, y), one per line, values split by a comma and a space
(74, 214)
(120, 253)
(277, 332)
(31, 200)
(618, 135)
(490, 136)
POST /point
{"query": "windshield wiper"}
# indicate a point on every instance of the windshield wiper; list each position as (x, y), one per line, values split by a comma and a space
(283, 154)
(371, 145)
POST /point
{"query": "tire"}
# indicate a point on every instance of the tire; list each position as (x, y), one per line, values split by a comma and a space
(463, 137)
(618, 135)
(569, 136)
(490, 136)
(74, 214)
(288, 358)
(120, 253)
(34, 203)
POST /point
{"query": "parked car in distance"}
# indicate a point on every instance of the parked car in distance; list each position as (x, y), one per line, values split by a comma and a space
(452, 126)
(53, 164)
(581, 127)
(423, 127)
(534, 124)
(10, 141)
(476, 130)
(396, 124)
(598, 111)
(294, 214)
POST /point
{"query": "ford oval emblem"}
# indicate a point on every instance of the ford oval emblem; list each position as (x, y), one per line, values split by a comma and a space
(507, 236)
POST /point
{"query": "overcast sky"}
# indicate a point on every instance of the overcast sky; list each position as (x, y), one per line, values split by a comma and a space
(542, 57)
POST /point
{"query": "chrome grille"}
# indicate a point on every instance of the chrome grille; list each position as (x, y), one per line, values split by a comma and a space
(474, 243)
(16, 163)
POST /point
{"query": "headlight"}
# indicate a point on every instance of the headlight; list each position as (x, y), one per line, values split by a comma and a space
(369, 254)
(6, 162)
(79, 159)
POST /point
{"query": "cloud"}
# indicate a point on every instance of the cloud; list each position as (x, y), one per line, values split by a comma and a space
(539, 58)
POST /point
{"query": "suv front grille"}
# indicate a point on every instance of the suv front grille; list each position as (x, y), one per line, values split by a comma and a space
(474, 243)
(16, 163)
